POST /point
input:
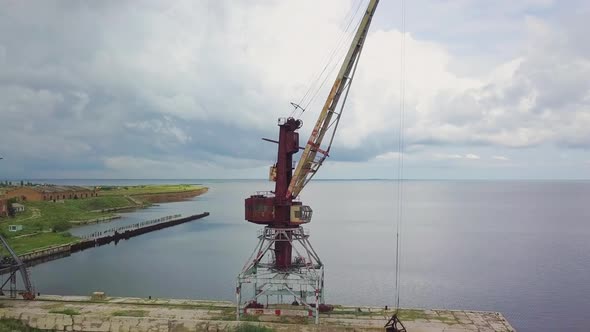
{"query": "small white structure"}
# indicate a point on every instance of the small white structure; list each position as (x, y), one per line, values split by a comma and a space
(15, 228)
(98, 296)
(18, 207)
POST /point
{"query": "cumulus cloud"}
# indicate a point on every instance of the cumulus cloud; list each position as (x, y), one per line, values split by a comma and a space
(443, 156)
(160, 128)
(447, 156)
(197, 83)
(501, 158)
(390, 156)
(178, 167)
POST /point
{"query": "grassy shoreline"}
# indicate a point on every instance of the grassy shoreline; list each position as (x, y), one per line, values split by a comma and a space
(47, 223)
(147, 189)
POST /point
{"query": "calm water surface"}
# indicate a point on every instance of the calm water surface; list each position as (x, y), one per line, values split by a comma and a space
(521, 248)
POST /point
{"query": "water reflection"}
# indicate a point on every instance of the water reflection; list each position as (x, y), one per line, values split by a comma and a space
(516, 247)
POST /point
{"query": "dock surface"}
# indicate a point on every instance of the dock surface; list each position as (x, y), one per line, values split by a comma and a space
(118, 314)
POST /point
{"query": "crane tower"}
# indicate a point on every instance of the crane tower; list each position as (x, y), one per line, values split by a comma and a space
(284, 262)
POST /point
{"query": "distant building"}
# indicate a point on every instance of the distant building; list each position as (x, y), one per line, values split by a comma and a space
(18, 207)
(15, 228)
(3, 207)
(50, 193)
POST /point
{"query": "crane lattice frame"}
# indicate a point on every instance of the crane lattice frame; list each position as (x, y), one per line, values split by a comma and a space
(306, 274)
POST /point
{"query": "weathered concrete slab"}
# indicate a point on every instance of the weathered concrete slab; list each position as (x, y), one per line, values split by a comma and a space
(80, 313)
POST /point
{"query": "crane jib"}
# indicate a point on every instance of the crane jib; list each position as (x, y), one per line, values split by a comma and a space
(308, 164)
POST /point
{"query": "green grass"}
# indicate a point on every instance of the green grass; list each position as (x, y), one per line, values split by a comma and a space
(40, 219)
(53, 219)
(99, 203)
(411, 314)
(21, 215)
(11, 325)
(247, 318)
(404, 315)
(147, 189)
(67, 311)
(27, 244)
(252, 328)
(130, 313)
(58, 215)
(352, 312)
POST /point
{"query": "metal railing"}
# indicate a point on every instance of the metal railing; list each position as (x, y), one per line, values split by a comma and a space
(130, 227)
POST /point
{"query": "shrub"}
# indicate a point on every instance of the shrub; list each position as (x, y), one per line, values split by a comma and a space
(61, 226)
(252, 328)
(130, 313)
(67, 311)
(9, 324)
(11, 210)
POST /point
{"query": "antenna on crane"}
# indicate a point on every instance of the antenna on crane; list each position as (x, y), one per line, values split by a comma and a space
(297, 106)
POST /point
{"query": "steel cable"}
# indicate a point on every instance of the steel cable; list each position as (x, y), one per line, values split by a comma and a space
(400, 180)
(344, 36)
(335, 65)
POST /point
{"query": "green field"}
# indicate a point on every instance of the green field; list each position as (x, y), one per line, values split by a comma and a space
(49, 216)
(26, 244)
(46, 223)
(147, 189)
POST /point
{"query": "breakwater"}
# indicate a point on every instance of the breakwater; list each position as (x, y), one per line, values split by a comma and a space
(105, 237)
(130, 227)
(127, 232)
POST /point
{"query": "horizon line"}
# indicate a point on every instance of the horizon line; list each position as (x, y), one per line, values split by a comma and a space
(318, 179)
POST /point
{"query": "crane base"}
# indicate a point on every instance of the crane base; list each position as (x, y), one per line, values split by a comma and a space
(394, 325)
(301, 283)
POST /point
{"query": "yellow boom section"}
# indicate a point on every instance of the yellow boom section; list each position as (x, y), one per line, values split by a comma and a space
(313, 155)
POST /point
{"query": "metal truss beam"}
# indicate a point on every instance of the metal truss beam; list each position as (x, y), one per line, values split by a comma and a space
(303, 280)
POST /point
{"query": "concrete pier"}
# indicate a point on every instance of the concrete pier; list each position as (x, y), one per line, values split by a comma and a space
(118, 314)
(46, 252)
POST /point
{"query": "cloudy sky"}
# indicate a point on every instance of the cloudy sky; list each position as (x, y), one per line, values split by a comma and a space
(186, 89)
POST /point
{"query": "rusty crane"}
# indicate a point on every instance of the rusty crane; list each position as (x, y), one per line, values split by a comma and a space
(284, 263)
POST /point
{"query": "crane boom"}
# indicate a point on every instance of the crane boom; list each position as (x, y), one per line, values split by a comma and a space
(310, 161)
